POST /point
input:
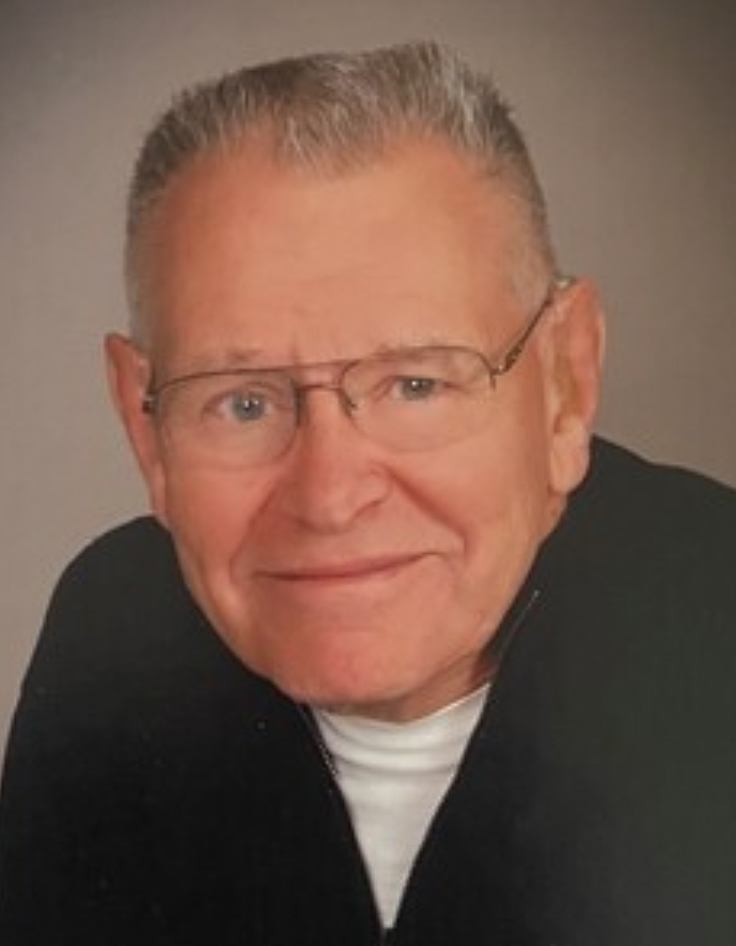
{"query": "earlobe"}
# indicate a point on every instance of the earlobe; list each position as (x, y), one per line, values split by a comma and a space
(128, 372)
(578, 345)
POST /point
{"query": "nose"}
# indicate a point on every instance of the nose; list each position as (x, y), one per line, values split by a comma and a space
(334, 475)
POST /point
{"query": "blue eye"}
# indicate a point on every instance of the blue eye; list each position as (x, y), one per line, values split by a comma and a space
(246, 407)
(417, 389)
(240, 407)
(237, 402)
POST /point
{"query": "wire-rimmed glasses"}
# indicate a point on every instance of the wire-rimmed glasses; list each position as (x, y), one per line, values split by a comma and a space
(414, 398)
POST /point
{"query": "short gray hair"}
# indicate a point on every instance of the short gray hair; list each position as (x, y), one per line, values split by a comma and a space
(333, 112)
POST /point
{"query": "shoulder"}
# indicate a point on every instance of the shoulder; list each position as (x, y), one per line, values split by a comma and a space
(616, 708)
(122, 596)
(648, 519)
(123, 639)
(133, 557)
(638, 598)
(619, 475)
(637, 590)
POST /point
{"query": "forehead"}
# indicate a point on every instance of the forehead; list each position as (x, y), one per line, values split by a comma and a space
(416, 246)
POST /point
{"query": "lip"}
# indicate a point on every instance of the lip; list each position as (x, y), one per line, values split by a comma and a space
(361, 569)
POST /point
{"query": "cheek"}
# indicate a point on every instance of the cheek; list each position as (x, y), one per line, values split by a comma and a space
(505, 474)
(504, 532)
(502, 505)
(211, 519)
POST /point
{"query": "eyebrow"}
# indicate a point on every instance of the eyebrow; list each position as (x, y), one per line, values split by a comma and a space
(434, 341)
(232, 359)
(236, 358)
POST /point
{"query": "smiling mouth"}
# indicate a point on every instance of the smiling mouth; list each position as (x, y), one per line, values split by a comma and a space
(344, 572)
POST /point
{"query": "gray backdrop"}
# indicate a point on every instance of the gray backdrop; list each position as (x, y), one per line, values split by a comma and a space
(629, 107)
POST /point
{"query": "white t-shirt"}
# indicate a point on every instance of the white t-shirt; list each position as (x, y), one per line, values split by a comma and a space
(394, 777)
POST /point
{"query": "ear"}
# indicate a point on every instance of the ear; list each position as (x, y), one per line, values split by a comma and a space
(574, 376)
(128, 373)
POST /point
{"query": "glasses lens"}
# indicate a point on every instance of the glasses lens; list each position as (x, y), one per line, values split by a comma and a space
(420, 398)
(229, 419)
(410, 400)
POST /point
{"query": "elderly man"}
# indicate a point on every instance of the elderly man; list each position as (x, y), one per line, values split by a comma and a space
(462, 698)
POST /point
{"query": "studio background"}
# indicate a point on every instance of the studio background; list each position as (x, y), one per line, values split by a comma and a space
(629, 110)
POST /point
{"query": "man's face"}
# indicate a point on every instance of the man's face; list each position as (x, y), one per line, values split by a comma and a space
(353, 575)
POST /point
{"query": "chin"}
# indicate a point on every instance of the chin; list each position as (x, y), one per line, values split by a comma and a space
(342, 688)
(330, 693)
(362, 666)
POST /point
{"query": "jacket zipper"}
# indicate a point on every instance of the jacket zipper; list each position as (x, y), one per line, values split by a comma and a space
(383, 937)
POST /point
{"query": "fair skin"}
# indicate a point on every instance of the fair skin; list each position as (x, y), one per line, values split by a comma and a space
(351, 575)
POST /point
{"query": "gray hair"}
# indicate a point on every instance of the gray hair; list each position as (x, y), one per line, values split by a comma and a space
(333, 112)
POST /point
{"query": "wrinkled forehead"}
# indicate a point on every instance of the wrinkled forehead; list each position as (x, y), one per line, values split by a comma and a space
(238, 232)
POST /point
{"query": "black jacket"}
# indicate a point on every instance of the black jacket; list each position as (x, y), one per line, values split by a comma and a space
(158, 793)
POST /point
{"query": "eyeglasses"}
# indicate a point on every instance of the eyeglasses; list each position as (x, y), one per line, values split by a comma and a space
(409, 399)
